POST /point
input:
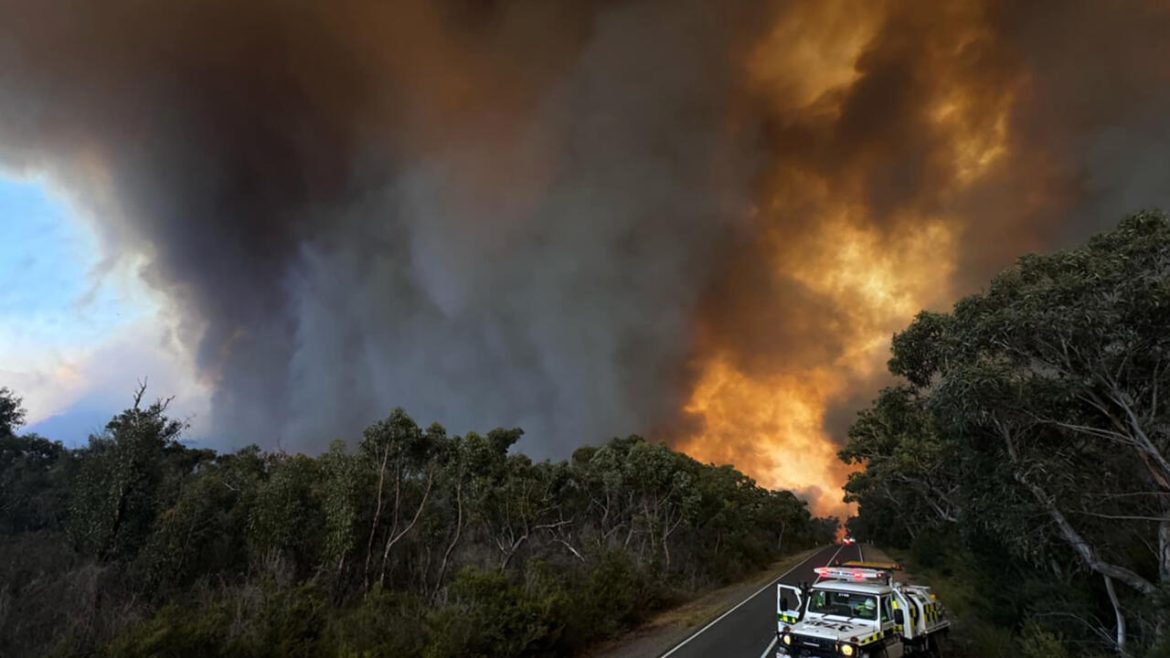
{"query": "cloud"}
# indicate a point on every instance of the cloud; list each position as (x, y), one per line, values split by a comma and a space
(71, 394)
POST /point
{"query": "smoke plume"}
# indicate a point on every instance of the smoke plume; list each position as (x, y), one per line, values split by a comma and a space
(696, 220)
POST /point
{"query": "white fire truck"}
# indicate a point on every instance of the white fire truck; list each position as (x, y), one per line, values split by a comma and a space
(857, 609)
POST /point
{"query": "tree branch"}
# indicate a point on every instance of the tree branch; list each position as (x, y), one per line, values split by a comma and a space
(1078, 543)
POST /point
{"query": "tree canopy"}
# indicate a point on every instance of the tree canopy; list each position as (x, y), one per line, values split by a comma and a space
(411, 541)
(1032, 421)
(11, 413)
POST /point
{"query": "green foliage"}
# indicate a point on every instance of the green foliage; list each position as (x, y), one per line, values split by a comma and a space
(11, 413)
(1030, 434)
(383, 623)
(33, 475)
(414, 543)
(1039, 642)
(287, 622)
(1159, 650)
(909, 471)
(616, 594)
(120, 486)
(286, 522)
(41, 583)
(250, 623)
(202, 531)
(488, 616)
(175, 632)
(341, 503)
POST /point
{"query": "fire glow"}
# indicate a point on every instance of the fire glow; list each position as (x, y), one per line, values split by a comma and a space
(772, 425)
(868, 269)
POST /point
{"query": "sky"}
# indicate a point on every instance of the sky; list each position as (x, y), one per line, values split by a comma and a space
(77, 331)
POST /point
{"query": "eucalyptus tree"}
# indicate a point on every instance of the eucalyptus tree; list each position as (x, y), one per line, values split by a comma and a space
(287, 521)
(402, 460)
(11, 412)
(1046, 400)
(909, 464)
(121, 475)
(343, 483)
(33, 471)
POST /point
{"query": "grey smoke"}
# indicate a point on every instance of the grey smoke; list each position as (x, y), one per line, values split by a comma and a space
(489, 214)
(530, 212)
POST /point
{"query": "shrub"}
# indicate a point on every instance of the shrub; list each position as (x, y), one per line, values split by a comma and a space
(488, 616)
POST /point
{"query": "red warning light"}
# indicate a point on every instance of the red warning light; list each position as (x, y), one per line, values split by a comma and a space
(855, 575)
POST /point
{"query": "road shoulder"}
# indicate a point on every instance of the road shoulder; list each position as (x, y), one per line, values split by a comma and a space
(672, 626)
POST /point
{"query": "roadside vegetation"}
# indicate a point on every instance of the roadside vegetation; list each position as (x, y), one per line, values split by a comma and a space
(412, 542)
(1022, 461)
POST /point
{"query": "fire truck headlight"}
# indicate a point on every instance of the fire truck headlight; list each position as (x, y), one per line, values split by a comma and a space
(787, 640)
(846, 649)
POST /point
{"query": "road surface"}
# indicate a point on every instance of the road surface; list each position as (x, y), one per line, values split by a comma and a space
(748, 630)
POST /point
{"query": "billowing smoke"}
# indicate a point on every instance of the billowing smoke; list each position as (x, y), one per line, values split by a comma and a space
(489, 213)
(692, 219)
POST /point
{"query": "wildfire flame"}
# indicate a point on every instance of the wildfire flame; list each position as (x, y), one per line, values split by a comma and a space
(772, 425)
(869, 270)
(702, 220)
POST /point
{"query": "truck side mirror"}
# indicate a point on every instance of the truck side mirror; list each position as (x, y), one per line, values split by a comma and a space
(785, 604)
(899, 618)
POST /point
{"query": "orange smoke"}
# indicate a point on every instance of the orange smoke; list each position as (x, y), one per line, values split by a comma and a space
(844, 274)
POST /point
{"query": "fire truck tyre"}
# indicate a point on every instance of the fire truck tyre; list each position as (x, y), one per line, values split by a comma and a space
(879, 653)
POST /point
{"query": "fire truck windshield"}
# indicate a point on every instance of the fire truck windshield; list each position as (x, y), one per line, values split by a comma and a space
(844, 604)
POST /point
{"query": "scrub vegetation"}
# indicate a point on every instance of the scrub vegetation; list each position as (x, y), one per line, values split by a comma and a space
(412, 543)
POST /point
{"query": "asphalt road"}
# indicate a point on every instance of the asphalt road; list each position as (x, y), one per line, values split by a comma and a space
(748, 630)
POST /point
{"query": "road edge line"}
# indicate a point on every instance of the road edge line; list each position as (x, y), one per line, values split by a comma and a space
(718, 619)
(768, 650)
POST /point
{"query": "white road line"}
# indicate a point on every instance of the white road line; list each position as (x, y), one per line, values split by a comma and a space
(773, 642)
(860, 555)
(826, 564)
(757, 593)
(770, 645)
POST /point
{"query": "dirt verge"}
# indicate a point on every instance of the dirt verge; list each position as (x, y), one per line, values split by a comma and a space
(672, 626)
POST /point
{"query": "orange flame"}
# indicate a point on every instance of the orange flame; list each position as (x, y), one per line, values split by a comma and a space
(871, 269)
(772, 425)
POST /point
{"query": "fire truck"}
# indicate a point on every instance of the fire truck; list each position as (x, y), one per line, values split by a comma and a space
(857, 609)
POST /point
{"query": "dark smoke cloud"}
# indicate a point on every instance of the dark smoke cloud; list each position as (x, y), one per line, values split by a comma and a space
(536, 213)
(489, 213)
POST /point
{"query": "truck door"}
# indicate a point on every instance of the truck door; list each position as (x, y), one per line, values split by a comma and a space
(789, 606)
(894, 649)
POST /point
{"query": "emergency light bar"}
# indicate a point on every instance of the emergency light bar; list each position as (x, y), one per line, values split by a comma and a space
(855, 574)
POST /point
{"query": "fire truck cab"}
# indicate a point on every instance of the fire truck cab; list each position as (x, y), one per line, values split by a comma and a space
(857, 609)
